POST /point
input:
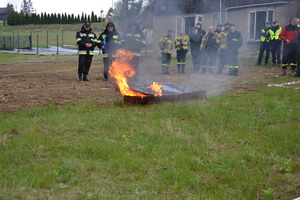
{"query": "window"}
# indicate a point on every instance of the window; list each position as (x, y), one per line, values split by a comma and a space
(199, 19)
(215, 16)
(257, 21)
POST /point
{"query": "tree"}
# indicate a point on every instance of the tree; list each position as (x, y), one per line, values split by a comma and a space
(27, 7)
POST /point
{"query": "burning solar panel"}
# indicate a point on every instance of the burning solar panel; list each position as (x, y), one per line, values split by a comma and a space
(170, 93)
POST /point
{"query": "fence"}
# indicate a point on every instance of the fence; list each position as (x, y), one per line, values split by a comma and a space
(15, 42)
(38, 40)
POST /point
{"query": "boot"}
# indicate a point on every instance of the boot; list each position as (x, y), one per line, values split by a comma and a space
(163, 69)
(204, 70)
(293, 71)
(230, 72)
(182, 69)
(220, 70)
(297, 72)
(235, 71)
(167, 70)
(79, 77)
(105, 77)
(178, 68)
(210, 70)
(85, 78)
(283, 72)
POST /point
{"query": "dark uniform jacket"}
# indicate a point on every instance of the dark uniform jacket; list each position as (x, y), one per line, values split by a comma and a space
(298, 42)
(134, 40)
(234, 40)
(210, 41)
(110, 40)
(195, 41)
(82, 37)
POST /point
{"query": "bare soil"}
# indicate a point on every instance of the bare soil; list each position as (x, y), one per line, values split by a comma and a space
(44, 80)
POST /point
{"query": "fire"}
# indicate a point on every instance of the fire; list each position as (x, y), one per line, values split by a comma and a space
(156, 87)
(121, 71)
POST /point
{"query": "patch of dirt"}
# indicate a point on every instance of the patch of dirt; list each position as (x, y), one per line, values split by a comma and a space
(52, 80)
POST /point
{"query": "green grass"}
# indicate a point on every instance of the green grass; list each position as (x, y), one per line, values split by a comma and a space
(237, 146)
(40, 31)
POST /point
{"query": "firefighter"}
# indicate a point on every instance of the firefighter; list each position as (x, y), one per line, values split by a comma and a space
(209, 45)
(86, 42)
(298, 61)
(166, 46)
(264, 44)
(134, 40)
(219, 28)
(275, 43)
(234, 42)
(288, 35)
(226, 27)
(223, 50)
(109, 41)
(181, 45)
(200, 30)
(195, 40)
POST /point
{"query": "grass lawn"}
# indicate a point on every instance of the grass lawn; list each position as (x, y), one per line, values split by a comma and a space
(236, 146)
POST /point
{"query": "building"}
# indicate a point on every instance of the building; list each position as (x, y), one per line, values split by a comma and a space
(4, 12)
(249, 16)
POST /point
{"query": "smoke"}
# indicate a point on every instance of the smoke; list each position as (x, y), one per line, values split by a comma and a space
(150, 70)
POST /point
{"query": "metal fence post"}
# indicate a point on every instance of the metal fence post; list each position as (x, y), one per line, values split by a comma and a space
(18, 42)
(13, 40)
(62, 38)
(57, 44)
(37, 43)
(47, 39)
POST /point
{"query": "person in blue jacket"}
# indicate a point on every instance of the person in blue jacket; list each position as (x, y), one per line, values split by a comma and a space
(109, 41)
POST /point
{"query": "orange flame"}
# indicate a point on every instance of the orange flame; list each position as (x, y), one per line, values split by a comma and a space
(156, 87)
(121, 71)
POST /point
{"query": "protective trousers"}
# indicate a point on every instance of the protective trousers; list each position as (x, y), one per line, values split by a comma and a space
(275, 50)
(233, 60)
(223, 60)
(165, 62)
(264, 46)
(209, 58)
(107, 61)
(289, 56)
(84, 64)
(181, 57)
(196, 59)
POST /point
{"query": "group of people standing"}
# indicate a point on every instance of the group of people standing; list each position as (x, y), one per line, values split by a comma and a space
(109, 42)
(224, 42)
(272, 38)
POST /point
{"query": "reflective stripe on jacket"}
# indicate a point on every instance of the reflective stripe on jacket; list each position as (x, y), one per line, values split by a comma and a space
(182, 42)
(166, 44)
